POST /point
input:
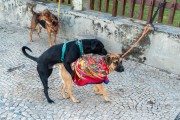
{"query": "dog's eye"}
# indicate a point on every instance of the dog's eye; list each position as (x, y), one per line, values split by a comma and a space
(116, 63)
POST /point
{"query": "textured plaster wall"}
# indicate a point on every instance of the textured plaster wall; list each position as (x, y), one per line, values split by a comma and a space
(159, 48)
(15, 11)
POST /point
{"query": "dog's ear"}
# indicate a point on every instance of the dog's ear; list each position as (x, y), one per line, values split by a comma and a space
(108, 59)
(46, 13)
(95, 44)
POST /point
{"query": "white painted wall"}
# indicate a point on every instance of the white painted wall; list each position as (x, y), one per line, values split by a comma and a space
(77, 5)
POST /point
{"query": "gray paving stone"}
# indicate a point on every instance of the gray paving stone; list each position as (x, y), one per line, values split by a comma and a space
(140, 93)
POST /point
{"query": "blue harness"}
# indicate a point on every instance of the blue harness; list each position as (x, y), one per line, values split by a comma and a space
(78, 43)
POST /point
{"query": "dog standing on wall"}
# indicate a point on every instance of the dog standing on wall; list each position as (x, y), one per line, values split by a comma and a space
(46, 20)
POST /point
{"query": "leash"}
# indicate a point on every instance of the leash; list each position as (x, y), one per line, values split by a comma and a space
(146, 29)
(59, 8)
(159, 6)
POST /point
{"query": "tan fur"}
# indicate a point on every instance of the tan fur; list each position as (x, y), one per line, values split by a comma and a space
(99, 88)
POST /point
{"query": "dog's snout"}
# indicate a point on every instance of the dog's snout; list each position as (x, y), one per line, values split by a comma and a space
(122, 69)
(119, 68)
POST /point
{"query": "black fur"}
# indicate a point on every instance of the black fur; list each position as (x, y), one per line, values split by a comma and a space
(53, 56)
(42, 23)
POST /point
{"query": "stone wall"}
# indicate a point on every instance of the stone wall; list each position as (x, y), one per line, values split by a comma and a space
(14, 11)
(159, 48)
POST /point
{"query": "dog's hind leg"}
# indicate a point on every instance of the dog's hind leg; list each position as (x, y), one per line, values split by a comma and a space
(68, 83)
(63, 88)
(68, 68)
(44, 74)
(69, 88)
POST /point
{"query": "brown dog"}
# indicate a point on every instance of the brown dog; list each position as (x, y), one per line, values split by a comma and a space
(114, 62)
(47, 20)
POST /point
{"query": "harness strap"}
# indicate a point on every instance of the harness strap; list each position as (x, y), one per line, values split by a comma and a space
(78, 43)
(63, 51)
(59, 5)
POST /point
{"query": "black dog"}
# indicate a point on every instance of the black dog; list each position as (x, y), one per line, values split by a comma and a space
(53, 56)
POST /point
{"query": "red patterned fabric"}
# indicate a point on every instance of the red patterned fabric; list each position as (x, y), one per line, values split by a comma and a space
(90, 70)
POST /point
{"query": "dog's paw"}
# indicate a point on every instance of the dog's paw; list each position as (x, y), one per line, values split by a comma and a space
(107, 101)
(66, 96)
(50, 101)
(98, 93)
(76, 101)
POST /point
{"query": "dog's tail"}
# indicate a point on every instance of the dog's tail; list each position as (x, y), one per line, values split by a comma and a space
(27, 55)
(31, 8)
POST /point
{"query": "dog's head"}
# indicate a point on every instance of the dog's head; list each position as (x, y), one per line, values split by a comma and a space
(46, 13)
(94, 46)
(114, 62)
(50, 19)
(45, 16)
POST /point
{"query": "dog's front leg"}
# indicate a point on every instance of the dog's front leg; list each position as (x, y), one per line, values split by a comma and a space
(68, 68)
(45, 84)
(39, 30)
(49, 37)
(33, 26)
(55, 34)
(99, 88)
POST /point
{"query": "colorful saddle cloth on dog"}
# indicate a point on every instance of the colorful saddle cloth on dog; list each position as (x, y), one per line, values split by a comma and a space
(90, 70)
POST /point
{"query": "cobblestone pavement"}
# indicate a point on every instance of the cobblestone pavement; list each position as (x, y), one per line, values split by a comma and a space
(140, 93)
